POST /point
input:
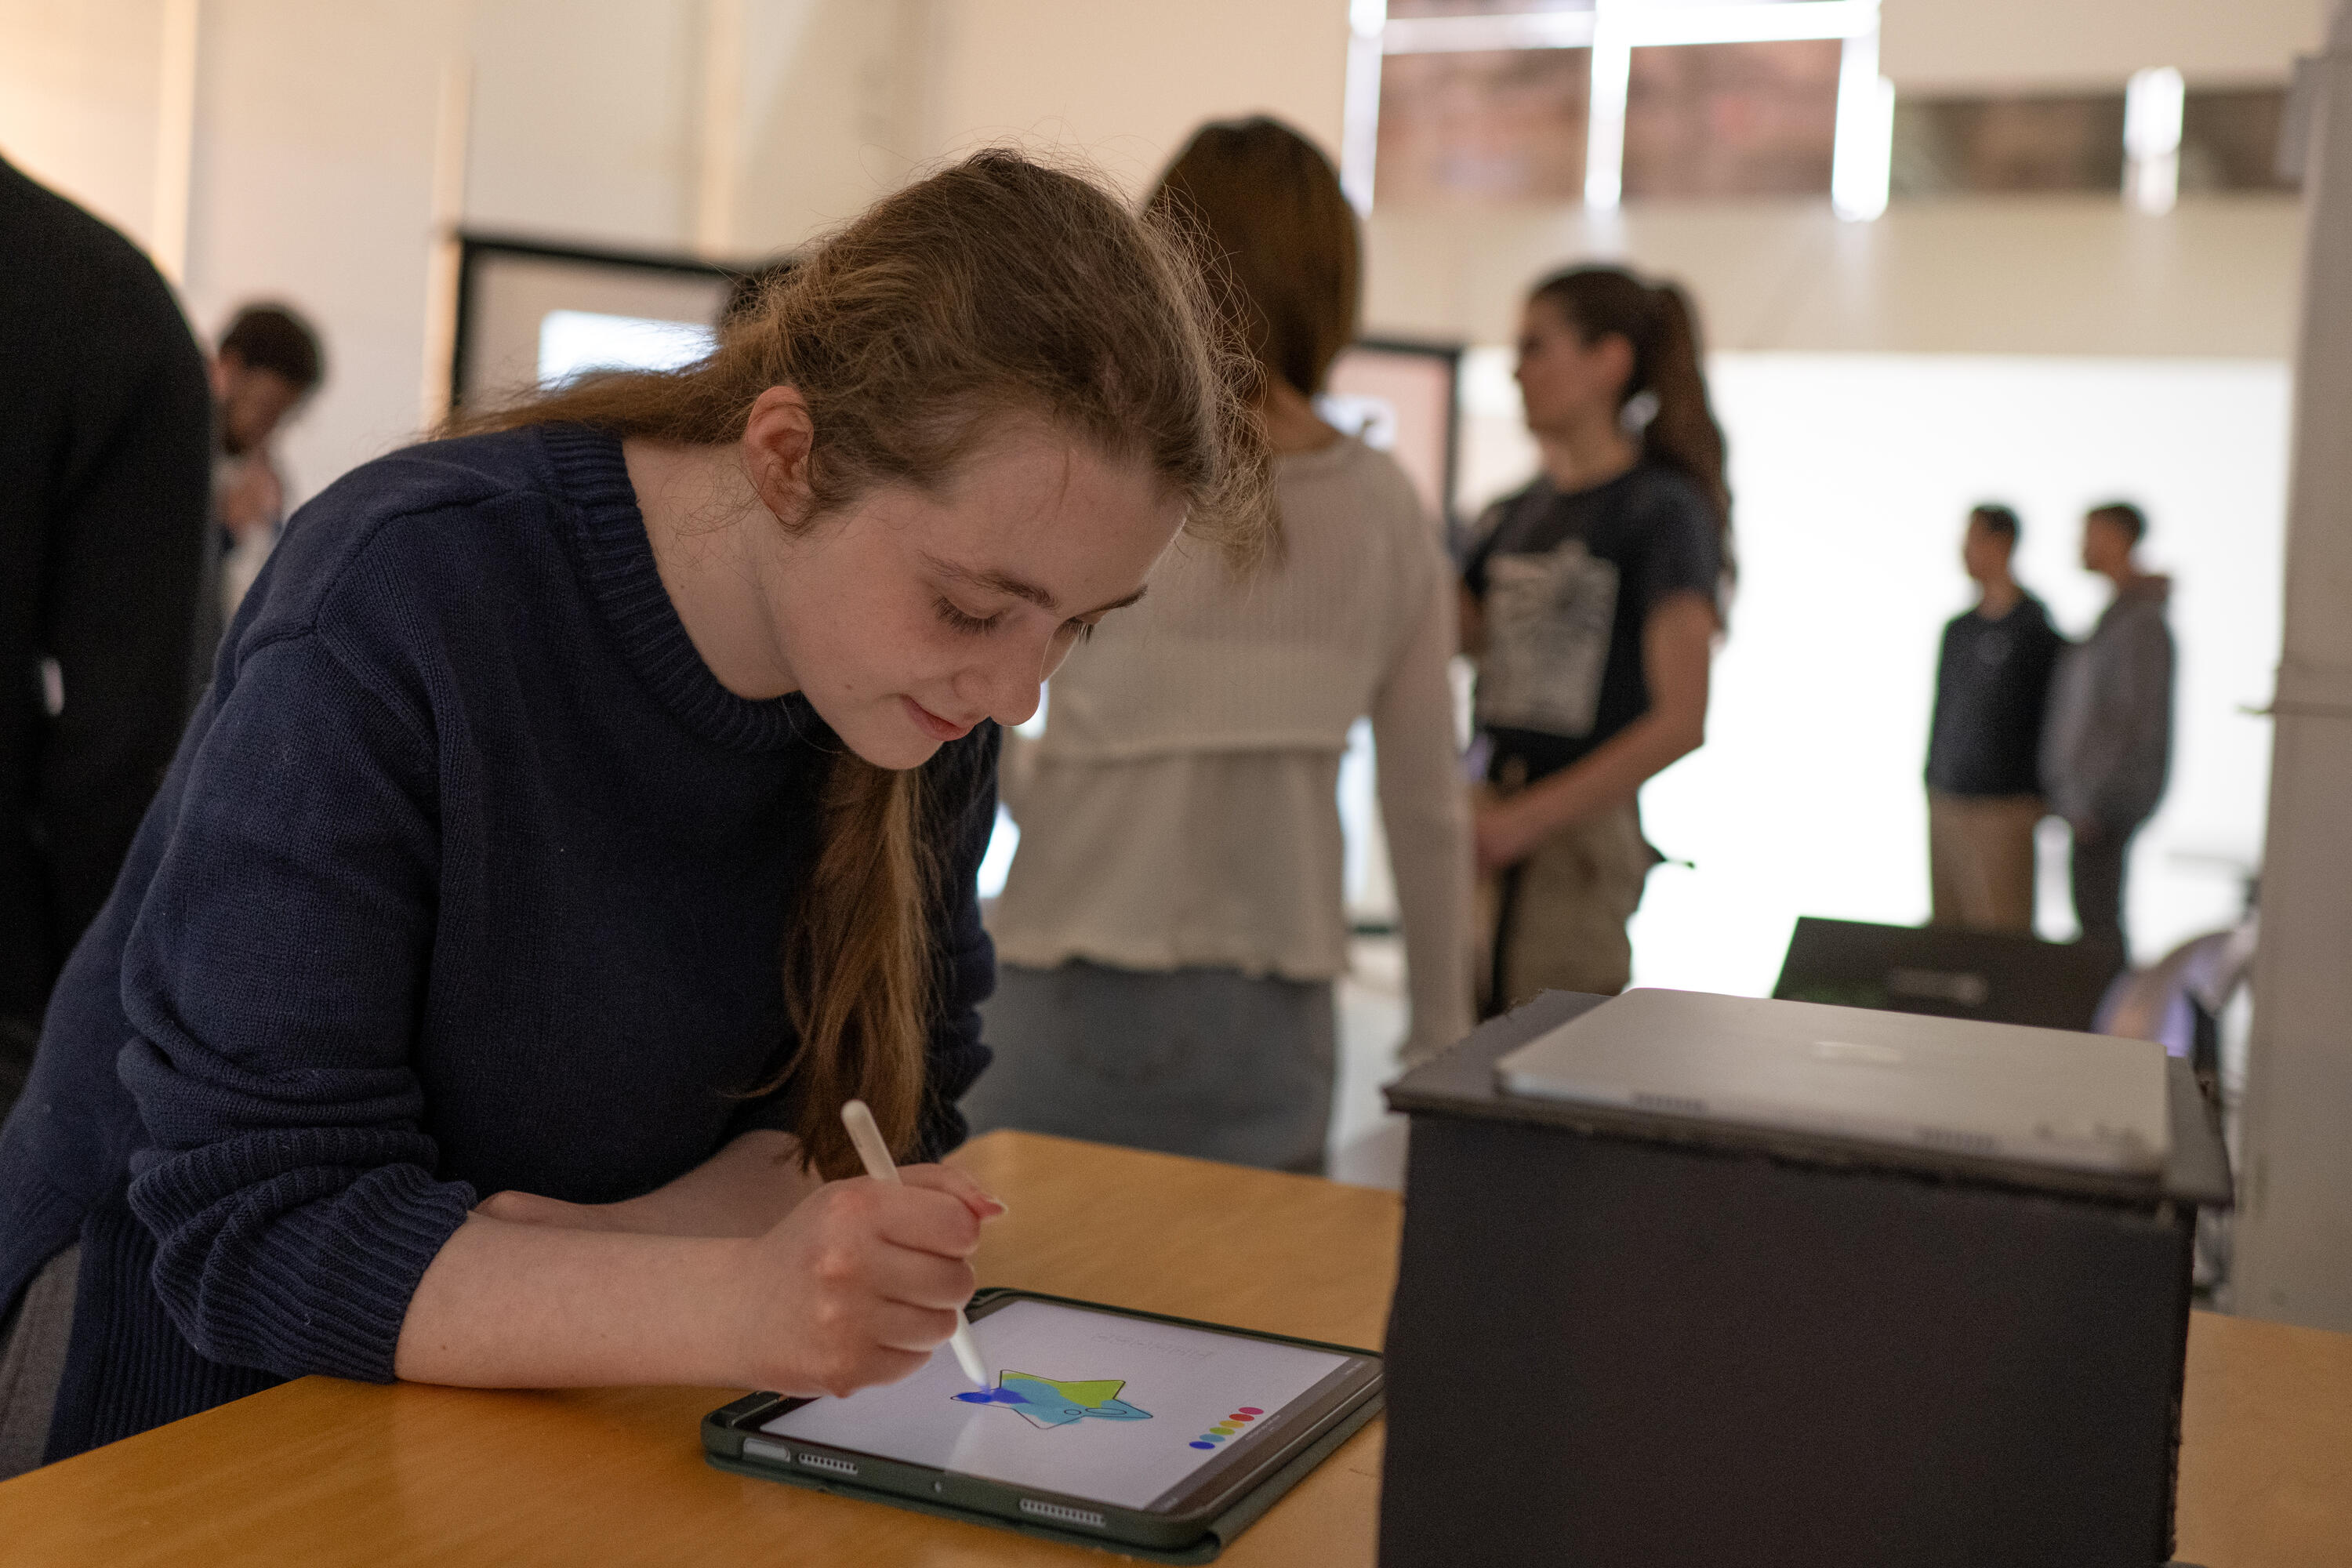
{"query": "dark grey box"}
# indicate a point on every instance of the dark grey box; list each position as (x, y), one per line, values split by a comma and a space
(1626, 1339)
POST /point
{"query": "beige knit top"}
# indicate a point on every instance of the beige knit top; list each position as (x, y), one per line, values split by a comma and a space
(1182, 808)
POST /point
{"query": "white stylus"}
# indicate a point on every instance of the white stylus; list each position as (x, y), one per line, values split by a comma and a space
(867, 1139)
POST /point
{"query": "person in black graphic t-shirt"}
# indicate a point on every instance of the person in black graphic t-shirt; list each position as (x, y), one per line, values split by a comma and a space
(1993, 688)
(1591, 602)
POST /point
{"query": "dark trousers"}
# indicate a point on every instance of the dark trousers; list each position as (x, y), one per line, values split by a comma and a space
(2098, 879)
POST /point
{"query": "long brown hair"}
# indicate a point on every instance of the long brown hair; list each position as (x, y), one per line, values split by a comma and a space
(997, 288)
(1267, 204)
(1660, 324)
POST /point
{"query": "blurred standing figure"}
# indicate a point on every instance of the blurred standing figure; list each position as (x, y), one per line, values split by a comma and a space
(1591, 602)
(1173, 919)
(103, 425)
(2109, 744)
(1992, 690)
(268, 365)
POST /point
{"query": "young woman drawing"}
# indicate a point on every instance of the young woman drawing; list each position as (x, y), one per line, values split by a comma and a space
(587, 806)
(1591, 600)
(1172, 922)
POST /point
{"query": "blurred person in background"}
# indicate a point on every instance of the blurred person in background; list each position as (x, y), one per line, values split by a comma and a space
(268, 365)
(1992, 690)
(104, 421)
(1173, 919)
(2107, 746)
(1591, 601)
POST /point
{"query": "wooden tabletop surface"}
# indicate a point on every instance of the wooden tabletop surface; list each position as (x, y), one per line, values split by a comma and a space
(323, 1472)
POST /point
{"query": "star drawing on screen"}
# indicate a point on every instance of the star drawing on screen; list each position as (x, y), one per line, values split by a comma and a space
(1044, 1403)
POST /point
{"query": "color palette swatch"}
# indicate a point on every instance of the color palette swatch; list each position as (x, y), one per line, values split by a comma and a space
(1239, 1420)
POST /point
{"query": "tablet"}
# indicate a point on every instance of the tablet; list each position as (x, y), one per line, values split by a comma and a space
(1123, 1425)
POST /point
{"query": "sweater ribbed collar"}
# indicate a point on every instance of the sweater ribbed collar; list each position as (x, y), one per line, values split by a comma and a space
(616, 562)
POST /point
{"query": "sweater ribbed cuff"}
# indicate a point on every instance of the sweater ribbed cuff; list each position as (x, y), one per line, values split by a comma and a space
(319, 1288)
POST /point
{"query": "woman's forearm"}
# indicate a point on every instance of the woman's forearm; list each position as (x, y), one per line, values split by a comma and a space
(856, 1286)
(540, 1306)
(743, 1190)
(1611, 774)
(1426, 814)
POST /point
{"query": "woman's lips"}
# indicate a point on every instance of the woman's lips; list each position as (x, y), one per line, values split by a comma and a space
(931, 724)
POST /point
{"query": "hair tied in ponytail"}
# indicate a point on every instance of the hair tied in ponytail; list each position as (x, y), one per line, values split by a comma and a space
(1664, 404)
(1639, 410)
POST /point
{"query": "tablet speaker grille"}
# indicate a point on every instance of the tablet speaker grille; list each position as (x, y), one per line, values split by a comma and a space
(1055, 1511)
(828, 1462)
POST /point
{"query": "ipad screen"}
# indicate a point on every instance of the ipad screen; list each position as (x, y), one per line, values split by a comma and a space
(1120, 1410)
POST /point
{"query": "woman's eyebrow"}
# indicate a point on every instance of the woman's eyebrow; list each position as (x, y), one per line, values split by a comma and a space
(1005, 583)
(1118, 603)
(994, 582)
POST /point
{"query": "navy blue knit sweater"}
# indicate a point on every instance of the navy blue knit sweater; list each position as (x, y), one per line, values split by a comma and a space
(468, 875)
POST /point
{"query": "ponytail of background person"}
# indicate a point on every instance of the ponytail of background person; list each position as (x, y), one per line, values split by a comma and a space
(996, 289)
(1662, 326)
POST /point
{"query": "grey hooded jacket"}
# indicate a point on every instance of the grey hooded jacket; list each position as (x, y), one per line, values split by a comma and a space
(2108, 743)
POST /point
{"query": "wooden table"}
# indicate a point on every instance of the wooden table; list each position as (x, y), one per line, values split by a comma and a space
(322, 1472)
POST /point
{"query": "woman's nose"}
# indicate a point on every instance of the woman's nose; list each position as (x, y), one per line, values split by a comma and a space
(1005, 686)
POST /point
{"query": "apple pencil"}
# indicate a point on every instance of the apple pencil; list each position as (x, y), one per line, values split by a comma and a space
(876, 1155)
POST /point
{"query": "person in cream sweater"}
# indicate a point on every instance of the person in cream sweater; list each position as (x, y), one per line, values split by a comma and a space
(1172, 922)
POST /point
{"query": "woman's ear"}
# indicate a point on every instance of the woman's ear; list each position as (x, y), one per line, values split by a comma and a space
(777, 441)
(1616, 351)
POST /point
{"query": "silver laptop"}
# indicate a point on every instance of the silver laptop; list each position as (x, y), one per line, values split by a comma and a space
(1994, 1091)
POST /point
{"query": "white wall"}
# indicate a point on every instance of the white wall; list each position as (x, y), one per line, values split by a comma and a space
(1124, 84)
(583, 123)
(1852, 476)
(313, 184)
(79, 83)
(2055, 274)
(836, 96)
(310, 177)
(316, 123)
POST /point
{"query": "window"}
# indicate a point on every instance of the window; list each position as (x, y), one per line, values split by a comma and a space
(1480, 101)
(1732, 119)
(2229, 142)
(1498, 125)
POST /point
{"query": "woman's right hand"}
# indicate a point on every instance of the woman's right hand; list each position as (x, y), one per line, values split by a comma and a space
(860, 1282)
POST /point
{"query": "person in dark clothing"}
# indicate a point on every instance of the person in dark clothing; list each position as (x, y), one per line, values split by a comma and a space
(1590, 602)
(104, 430)
(586, 807)
(2107, 748)
(270, 364)
(1993, 688)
